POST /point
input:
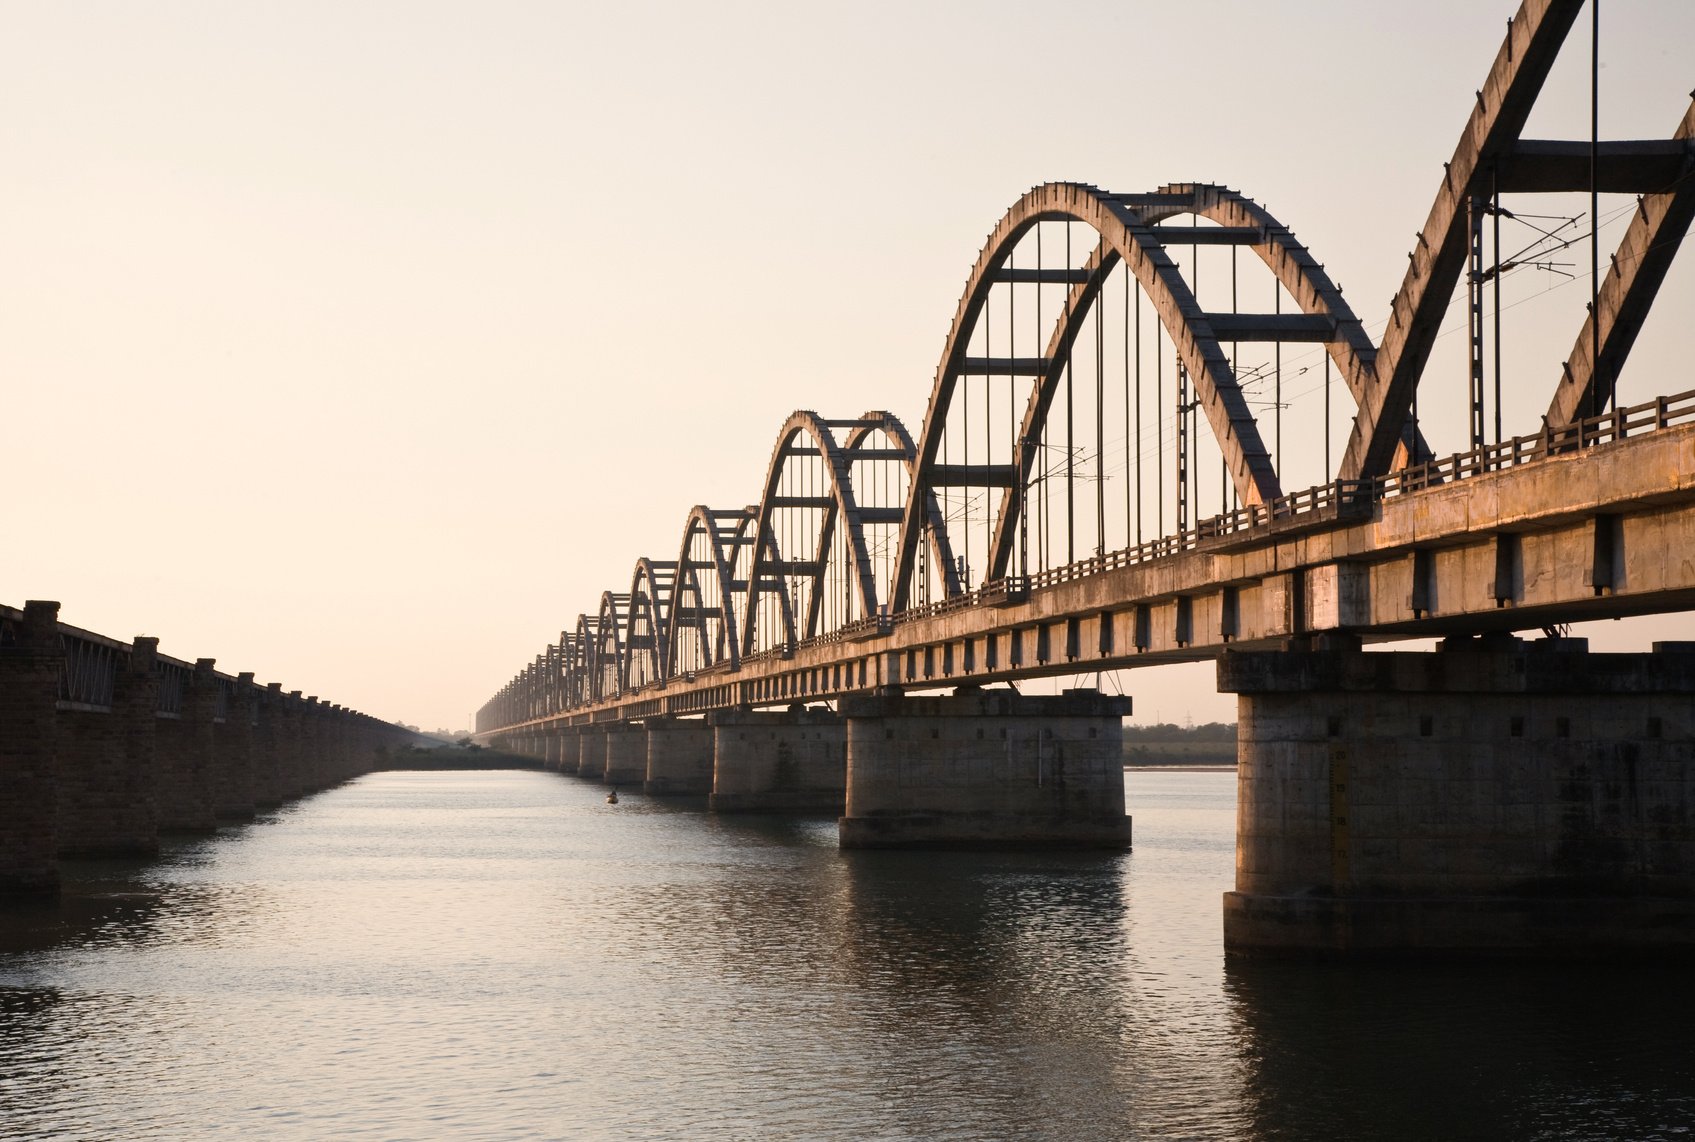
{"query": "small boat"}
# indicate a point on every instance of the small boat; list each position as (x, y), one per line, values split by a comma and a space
(612, 797)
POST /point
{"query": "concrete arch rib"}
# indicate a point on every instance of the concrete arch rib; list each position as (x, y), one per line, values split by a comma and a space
(1351, 349)
(588, 663)
(1503, 105)
(885, 425)
(690, 608)
(840, 507)
(1656, 233)
(1079, 300)
(1296, 271)
(772, 568)
(609, 649)
(571, 665)
(651, 590)
(1123, 235)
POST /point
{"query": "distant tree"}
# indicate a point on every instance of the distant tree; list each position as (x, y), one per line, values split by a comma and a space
(1167, 732)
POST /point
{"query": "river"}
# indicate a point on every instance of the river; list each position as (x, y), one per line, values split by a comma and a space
(502, 955)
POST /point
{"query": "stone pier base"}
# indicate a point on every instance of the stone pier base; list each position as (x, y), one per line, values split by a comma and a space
(31, 660)
(570, 751)
(679, 757)
(591, 752)
(1495, 797)
(107, 772)
(186, 761)
(792, 761)
(988, 768)
(233, 741)
(269, 783)
(626, 755)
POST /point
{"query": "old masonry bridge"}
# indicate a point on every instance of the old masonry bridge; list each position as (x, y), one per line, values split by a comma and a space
(1499, 793)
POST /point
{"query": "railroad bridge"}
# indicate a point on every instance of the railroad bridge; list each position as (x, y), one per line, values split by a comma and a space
(1497, 793)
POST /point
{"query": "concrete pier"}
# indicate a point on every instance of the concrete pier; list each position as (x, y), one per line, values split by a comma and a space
(792, 761)
(185, 752)
(233, 744)
(1492, 797)
(31, 661)
(591, 752)
(294, 759)
(107, 769)
(267, 744)
(679, 757)
(626, 755)
(312, 768)
(985, 768)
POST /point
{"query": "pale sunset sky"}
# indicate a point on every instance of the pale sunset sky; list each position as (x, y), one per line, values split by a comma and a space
(363, 345)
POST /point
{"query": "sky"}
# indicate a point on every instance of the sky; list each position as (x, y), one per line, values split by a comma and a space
(363, 345)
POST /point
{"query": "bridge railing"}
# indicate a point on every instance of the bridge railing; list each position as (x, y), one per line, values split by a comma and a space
(173, 679)
(1560, 440)
(89, 675)
(1338, 497)
(91, 664)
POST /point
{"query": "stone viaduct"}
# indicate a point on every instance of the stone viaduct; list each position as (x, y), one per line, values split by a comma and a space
(105, 745)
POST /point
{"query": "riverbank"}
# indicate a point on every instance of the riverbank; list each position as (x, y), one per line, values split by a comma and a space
(1164, 744)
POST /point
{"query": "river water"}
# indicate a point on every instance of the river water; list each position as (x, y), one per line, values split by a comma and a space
(501, 955)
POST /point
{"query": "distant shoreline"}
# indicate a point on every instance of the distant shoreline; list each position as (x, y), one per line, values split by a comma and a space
(1164, 745)
(1181, 767)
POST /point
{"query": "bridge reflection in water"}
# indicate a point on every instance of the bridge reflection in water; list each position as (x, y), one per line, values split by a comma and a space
(1047, 519)
(736, 976)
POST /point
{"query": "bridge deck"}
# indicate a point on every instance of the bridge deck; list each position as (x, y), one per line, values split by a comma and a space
(1514, 536)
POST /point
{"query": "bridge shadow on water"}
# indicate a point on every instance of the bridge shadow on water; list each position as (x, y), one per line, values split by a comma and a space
(1480, 1050)
(125, 899)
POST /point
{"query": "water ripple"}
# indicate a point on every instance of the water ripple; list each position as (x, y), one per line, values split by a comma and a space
(503, 956)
